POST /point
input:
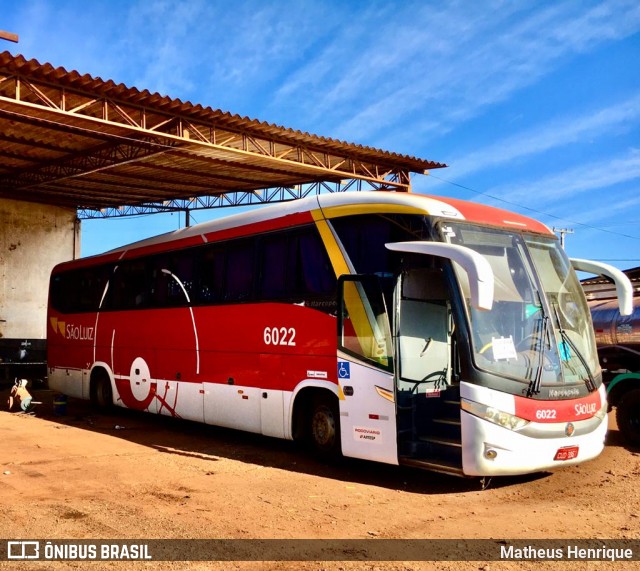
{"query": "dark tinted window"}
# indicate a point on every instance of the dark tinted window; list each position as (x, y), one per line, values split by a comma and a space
(239, 270)
(288, 266)
(129, 286)
(172, 278)
(278, 257)
(315, 271)
(294, 266)
(78, 290)
(210, 271)
(364, 238)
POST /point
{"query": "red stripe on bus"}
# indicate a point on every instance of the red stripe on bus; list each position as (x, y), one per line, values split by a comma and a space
(558, 410)
(496, 216)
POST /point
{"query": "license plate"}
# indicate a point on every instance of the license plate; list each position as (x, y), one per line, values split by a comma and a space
(568, 453)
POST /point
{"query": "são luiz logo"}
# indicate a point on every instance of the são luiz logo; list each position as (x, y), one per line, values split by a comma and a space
(72, 331)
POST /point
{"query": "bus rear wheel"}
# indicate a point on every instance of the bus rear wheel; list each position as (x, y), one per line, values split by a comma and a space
(628, 416)
(324, 428)
(101, 394)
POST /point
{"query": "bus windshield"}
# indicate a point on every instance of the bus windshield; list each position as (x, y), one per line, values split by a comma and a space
(538, 330)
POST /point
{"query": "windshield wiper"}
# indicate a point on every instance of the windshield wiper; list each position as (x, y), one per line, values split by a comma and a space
(589, 381)
(426, 346)
(534, 385)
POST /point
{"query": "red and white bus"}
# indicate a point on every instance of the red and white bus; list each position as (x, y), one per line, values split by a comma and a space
(393, 327)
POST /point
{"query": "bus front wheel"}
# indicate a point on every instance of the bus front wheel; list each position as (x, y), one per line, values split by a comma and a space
(628, 416)
(324, 430)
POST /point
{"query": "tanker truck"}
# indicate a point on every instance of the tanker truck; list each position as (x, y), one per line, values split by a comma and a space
(618, 341)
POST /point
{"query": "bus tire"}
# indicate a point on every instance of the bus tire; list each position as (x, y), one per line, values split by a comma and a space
(324, 427)
(101, 393)
(628, 416)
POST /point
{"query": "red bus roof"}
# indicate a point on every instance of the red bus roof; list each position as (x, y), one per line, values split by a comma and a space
(302, 211)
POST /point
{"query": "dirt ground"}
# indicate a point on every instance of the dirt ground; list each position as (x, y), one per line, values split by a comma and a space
(132, 475)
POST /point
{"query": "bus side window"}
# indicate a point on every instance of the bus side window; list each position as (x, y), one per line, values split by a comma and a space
(275, 258)
(315, 274)
(78, 290)
(294, 267)
(128, 287)
(363, 322)
(210, 264)
(424, 331)
(182, 266)
(239, 271)
(172, 279)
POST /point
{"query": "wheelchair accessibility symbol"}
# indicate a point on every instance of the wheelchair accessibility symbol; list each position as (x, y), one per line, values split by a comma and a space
(344, 371)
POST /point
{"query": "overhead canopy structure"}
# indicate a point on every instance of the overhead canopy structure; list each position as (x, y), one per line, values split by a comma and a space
(107, 149)
(601, 287)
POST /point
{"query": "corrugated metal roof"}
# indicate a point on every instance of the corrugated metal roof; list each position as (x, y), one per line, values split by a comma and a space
(80, 141)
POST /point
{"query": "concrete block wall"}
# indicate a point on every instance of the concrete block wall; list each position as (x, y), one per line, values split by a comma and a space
(33, 239)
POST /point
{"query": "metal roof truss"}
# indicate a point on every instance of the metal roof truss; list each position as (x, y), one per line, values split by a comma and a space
(109, 150)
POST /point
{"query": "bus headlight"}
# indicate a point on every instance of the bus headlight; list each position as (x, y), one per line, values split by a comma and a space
(499, 417)
(603, 410)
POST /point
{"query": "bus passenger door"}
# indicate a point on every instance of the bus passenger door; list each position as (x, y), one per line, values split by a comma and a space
(428, 403)
(365, 371)
(423, 332)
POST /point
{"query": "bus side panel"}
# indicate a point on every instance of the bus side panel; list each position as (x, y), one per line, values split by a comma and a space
(254, 355)
(272, 421)
(232, 406)
(154, 357)
(229, 365)
(180, 399)
(125, 340)
(176, 344)
(269, 345)
(69, 351)
(173, 334)
(66, 381)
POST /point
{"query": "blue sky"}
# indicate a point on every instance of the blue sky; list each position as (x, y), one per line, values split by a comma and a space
(534, 105)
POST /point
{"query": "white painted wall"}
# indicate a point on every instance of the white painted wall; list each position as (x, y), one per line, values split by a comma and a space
(33, 239)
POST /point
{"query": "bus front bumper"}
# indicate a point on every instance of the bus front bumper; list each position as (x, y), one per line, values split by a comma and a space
(492, 450)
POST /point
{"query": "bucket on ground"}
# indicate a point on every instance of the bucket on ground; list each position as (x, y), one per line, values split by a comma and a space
(60, 405)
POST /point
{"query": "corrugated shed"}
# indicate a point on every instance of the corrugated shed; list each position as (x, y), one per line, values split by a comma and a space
(78, 140)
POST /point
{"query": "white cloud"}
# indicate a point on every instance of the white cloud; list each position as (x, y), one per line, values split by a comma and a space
(582, 194)
(450, 63)
(613, 208)
(552, 135)
(384, 63)
(572, 182)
